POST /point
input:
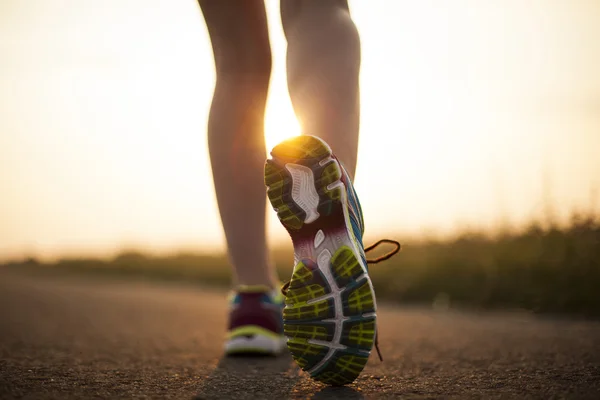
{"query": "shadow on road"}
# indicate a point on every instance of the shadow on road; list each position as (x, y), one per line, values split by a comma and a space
(266, 378)
(345, 392)
(250, 377)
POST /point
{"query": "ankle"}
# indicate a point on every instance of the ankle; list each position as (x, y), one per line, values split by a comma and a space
(256, 285)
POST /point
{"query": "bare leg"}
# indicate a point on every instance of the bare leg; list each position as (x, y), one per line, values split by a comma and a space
(239, 35)
(323, 64)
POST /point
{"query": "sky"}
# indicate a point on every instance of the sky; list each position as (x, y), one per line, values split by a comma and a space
(474, 115)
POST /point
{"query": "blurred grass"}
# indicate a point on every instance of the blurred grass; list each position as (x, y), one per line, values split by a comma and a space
(541, 269)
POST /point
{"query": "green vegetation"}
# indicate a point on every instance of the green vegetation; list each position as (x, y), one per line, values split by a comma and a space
(540, 269)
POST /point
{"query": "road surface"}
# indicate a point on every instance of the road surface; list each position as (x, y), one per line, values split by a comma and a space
(65, 337)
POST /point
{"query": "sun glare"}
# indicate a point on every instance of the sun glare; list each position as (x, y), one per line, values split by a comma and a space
(280, 121)
(461, 114)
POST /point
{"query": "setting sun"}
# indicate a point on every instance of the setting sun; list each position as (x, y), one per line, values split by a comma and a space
(103, 132)
(280, 121)
(432, 199)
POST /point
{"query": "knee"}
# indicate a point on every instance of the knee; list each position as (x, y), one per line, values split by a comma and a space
(310, 13)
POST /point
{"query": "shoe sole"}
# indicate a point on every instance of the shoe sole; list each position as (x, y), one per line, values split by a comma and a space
(330, 309)
(255, 345)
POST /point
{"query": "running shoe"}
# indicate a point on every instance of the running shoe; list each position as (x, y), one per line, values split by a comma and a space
(330, 315)
(255, 322)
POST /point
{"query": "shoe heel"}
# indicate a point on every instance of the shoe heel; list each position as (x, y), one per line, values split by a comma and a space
(303, 181)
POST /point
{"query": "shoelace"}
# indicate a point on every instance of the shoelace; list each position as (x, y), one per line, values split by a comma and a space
(398, 246)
